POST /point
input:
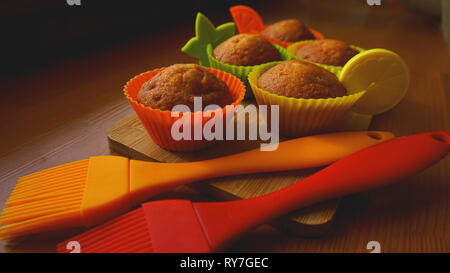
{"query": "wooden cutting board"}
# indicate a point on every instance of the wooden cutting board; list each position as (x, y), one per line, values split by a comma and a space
(128, 137)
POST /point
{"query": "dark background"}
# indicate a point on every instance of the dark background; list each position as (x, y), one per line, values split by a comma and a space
(35, 33)
(38, 32)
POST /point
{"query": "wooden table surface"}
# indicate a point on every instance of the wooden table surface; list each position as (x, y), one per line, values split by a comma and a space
(59, 113)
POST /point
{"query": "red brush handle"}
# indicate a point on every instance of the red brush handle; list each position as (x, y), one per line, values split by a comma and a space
(370, 168)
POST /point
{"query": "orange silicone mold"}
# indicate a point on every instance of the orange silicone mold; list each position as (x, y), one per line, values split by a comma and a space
(159, 123)
(247, 20)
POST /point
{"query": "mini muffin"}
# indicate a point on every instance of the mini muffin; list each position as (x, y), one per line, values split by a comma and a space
(327, 51)
(179, 84)
(309, 99)
(299, 79)
(291, 30)
(246, 50)
(160, 124)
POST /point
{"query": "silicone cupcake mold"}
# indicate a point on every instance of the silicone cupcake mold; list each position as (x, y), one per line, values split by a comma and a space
(298, 116)
(159, 123)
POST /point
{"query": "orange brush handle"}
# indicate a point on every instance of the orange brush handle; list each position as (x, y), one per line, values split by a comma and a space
(148, 178)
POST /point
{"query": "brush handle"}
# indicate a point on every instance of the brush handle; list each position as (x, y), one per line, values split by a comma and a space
(149, 178)
(370, 168)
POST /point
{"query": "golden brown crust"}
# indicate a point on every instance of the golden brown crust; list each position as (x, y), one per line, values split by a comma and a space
(299, 79)
(246, 50)
(179, 83)
(327, 51)
(291, 30)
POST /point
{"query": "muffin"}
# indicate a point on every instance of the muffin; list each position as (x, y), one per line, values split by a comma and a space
(299, 79)
(309, 98)
(291, 30)
(160, 124)
(246, 50)
(326, 51)
(179, 84)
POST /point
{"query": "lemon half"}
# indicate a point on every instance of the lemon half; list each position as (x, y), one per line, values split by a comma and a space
(383, 73)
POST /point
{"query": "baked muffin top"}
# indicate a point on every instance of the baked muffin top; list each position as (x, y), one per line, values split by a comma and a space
(291, 30)
(327, 51)
(179, 83)
(300, 79)
(246, 50)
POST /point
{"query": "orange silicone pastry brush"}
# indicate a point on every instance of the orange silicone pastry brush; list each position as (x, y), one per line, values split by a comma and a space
(184, 226)
(92, 191)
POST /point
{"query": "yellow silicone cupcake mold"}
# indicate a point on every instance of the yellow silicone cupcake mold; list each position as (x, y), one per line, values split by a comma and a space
(300, 117)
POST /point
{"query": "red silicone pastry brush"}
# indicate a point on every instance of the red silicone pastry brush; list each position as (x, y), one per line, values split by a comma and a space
(184, 226)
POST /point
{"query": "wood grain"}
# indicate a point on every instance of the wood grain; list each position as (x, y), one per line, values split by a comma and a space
(60, 113)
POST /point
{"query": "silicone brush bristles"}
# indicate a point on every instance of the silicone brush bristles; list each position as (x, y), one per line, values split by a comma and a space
(158, 226)
(41, 199)
(127, 233)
